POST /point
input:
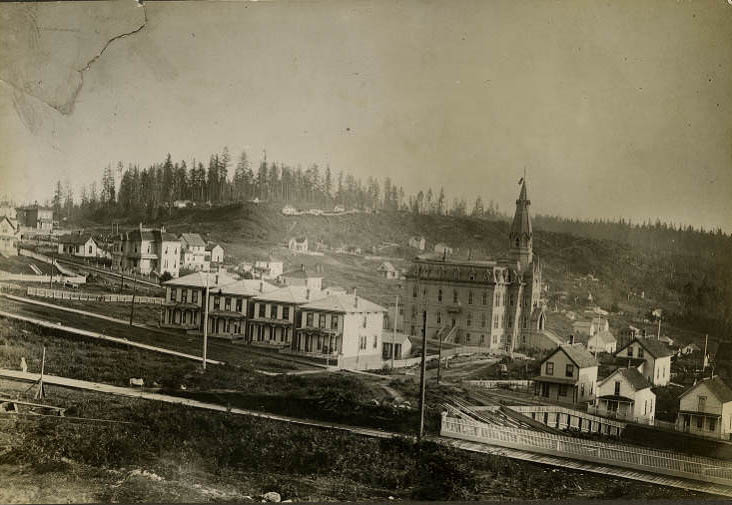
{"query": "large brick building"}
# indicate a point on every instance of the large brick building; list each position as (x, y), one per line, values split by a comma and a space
(492, 303)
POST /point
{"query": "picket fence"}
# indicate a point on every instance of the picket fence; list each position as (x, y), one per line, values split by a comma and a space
(93, 297)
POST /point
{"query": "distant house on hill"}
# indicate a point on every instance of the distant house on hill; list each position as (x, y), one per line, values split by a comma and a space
(590, 328)
(77, 244)
(417, 243)
(443, 249)
(387, 271)
(268, 269)
(214, 253)
(602, 341)
(666, 340)
(193, 252)
(298, 244)
(302, 277)
(8, 237)
(689, 348)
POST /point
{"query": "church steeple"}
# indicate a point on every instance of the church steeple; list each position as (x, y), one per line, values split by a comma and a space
(520, 234)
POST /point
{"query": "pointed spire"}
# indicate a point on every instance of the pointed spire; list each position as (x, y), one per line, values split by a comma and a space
(521, 234)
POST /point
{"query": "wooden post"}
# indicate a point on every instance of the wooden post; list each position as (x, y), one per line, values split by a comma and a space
(422, 378)
(134, 291)
(439, 356)
(40, 394)
(205, 323)
(393, 342)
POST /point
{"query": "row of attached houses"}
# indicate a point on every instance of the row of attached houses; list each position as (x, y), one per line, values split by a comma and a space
(323, 323)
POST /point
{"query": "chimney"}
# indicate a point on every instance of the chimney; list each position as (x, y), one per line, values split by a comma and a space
(307, 294)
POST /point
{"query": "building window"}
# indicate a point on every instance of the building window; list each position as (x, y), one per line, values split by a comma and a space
(309, 320)
(562, 390)
(699, 422)
(261, 309)
(569, 372)
(470, 297)
(439, 295)
(467, 338)
(439, 318)
(172, 295)
(184, 298)
(582, 390)
(414, 292)
(617, 388)
(239, 304)
(509, 323)
(217, 303)
(630, 351)
(376, 340)
(285, 312)
(712, 424)
(227, 303)
(550, 368)
(485, 297)
(194, 297)
(640, 352)
(495, 322)
(321, 321)
(424, 293)
(454, 296)
(365, 320)
(702, 403)
(469, 320)
(333, 322)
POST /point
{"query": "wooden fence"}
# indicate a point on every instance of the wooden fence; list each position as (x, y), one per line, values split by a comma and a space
(58, 279)
(93, 297)
(622, 455)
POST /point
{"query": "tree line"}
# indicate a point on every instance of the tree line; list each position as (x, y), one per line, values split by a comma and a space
(147, 193)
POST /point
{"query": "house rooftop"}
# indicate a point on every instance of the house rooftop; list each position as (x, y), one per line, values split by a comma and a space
(293, 294)
(605, 336)
(345, 303)
(193, 239)
(633, 376)
(654, 347)
(581, 356)
(75, 238)
(717, 386)
(198, 280)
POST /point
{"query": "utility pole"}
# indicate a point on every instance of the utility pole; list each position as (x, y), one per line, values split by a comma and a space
(422, 378)
(704, 358)
(134, 291)
(658, 336)
(393, 342)
(205, 323)
(439, 355)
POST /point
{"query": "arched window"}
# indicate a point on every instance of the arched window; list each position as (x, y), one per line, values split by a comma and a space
(439, 295)
(470, 297)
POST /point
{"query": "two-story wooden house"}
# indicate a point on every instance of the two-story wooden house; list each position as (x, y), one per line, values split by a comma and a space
(625, 394)
(342, 326)
(656, 356)
(567, 375)
(705, 409)
(273, 317)
(147, 251)
(193, 252)
(228, 303)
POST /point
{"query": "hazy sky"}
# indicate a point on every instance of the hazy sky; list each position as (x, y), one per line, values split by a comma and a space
(619, 108)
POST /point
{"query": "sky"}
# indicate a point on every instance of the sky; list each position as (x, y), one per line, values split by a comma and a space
(613, 109)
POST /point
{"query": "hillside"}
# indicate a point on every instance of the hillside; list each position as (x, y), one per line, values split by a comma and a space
(250, 231)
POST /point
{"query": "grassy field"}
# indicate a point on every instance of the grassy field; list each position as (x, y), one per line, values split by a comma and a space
(182, 455)
(21, 265)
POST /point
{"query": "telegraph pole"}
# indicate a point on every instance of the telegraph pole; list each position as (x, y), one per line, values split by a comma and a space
(422, 378)
(134, 291)
(393, 342)
(205, 323)
(439, 355)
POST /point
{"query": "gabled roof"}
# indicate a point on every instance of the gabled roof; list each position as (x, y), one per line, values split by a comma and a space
(387, 267)
(345, 303)
(248, 287)
(292, 294)
(299, 273)
(655, 348)
(577, 354)
(76, 239)
(193, 239)
(605, 336)
(718, 388)
(10, 222)
(198, 280)
(212, 245)
(634, 377)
